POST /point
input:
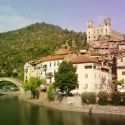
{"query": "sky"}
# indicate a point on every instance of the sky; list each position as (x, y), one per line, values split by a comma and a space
(70, 14)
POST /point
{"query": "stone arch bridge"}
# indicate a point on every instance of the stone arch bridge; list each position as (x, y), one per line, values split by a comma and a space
(17, 82)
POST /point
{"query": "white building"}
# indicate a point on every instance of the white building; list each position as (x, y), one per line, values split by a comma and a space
(43, 67)
(92, 76)
(31, 69)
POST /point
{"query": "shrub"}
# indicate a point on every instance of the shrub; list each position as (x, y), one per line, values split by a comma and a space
(116, 99)
(103, 98)
(33, 85)
(88, 97)
(51, 93)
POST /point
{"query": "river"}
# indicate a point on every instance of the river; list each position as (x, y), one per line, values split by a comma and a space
(14, 112)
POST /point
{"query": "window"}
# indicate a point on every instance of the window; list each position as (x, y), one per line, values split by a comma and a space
(88, 67)
(94, 67)
(54, 63)
(123, 73)
(50, 64)
(121, 59)
(57, 62)
(41, 73)
(86, 86)
(86, 75)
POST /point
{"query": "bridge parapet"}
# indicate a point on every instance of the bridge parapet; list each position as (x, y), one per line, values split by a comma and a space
(17, 82)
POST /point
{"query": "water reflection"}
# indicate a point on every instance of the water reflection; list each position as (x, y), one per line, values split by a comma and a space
(13, 112)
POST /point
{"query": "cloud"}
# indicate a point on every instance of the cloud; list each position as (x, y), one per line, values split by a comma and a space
(10, 19)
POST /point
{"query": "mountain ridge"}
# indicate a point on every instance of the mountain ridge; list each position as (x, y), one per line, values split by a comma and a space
(33, 41)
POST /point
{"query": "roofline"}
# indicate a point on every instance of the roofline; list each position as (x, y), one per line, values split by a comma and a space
(85, 62)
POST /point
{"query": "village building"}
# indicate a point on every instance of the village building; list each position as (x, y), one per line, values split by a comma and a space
(46, 66)
(92, 75)
(121, 72)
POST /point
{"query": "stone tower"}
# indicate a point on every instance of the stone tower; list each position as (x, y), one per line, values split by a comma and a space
(90, 28)
(107, 27)
(101, 31)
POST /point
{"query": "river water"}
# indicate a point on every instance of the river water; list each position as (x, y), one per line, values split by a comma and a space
(14, 112)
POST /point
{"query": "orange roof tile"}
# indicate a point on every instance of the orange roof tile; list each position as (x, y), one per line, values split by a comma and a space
(66, 52)
(83, 59)
(51, 58)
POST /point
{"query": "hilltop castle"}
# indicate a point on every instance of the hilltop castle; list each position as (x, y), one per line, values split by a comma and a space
(102, 31)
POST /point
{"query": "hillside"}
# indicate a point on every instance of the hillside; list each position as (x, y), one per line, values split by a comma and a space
(20, 46)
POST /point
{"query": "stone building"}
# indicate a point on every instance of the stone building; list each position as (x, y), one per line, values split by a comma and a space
(102, 31)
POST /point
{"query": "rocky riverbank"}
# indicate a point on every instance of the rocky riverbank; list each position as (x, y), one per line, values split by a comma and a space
(74, 104)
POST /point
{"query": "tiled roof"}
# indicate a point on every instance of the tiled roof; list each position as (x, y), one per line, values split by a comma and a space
(83, 59)
(51, 58)
(62, 52)
(62, 55)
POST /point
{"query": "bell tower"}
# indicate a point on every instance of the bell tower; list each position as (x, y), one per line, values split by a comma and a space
(107, 26)
(89, 31)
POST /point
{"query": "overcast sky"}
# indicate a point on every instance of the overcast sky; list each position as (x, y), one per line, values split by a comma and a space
(71, 14)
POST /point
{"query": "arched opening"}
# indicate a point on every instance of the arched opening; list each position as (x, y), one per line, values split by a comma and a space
(8, 86)
(11, 83)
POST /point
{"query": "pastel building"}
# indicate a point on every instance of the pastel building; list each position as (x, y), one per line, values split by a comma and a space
(92, 76)
(47, 65)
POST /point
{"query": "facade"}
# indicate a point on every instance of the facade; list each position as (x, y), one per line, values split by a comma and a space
(121, 72)
(92, 76)
(31, 70)
(103, 31)
(47, 65)
(51, 64)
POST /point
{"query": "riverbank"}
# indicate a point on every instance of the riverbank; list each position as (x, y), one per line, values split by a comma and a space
(74, 104)
(10, 93)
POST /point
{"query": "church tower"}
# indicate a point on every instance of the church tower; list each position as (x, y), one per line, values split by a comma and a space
(90, 31)
(107, 27)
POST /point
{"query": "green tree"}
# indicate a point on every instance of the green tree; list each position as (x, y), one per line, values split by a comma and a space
(66, 77)
(51, 92)
(118, 82)
(32, 84)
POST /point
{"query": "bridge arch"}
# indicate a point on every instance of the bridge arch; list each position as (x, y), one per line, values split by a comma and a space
(17, 82)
